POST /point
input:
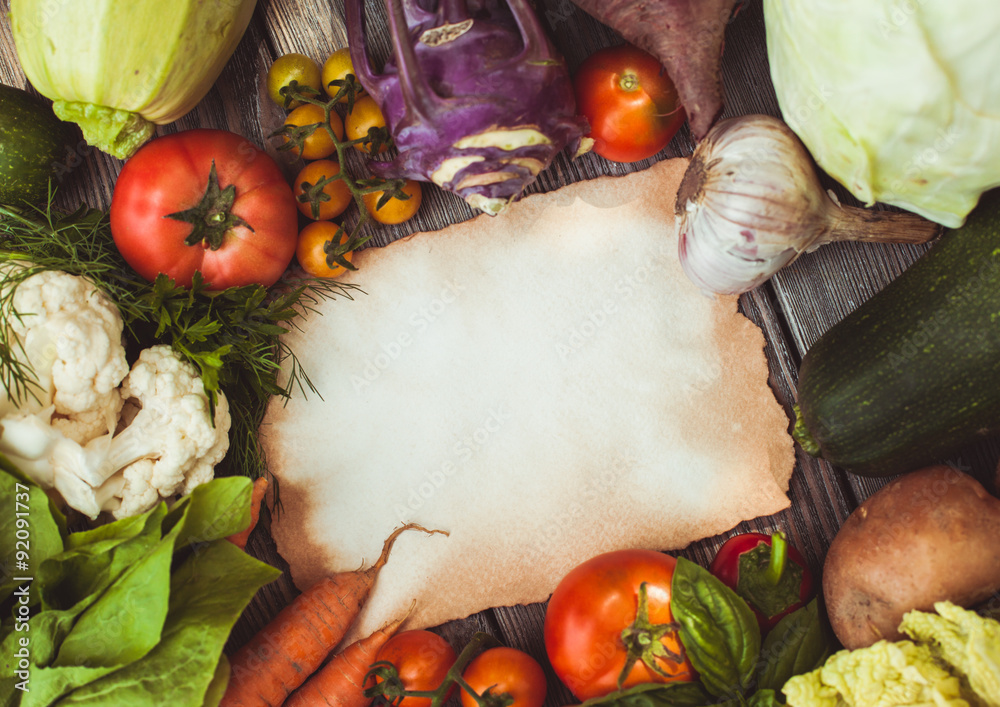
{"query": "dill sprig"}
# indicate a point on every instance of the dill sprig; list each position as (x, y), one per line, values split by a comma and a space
(231, 336)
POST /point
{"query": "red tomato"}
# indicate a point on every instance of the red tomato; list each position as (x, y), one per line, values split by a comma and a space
(505, 670)
(592, 608)
(630, 102)
(240, 233)
(774, 584)
(422, 659)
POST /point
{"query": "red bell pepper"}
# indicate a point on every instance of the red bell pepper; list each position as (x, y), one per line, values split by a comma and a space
(771, 575)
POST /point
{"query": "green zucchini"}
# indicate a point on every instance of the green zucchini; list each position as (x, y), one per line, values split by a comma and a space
(913, 374)
(33, 143)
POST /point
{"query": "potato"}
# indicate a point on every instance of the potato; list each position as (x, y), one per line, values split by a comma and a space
(929, 535)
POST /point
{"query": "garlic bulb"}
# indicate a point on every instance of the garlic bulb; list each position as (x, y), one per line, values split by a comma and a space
(751, 203)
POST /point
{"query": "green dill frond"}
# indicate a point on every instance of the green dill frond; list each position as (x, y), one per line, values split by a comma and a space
(231, 336)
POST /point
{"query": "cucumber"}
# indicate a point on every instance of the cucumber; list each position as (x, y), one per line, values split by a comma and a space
(33, 143)
(913, 374)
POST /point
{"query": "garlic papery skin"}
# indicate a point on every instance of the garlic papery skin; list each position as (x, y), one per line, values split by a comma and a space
(750, 203)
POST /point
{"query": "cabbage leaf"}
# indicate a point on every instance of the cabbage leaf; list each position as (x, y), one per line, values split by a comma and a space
(898, 101)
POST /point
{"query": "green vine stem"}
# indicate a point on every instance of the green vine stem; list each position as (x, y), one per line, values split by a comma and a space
(347, 90)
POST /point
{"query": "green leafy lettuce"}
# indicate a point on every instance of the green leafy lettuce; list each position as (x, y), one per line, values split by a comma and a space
(135, 612)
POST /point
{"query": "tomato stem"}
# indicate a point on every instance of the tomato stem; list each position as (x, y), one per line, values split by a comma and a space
(644, 641)
(779, 559)
(391, 687)
(628, 83)
(212, 217)
(376, 137)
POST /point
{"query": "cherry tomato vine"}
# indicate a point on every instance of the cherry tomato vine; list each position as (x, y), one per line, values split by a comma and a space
(377, 138)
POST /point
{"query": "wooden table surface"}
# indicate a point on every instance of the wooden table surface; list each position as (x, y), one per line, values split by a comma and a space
(793, 309)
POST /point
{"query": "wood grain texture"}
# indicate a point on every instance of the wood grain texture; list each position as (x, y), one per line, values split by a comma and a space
(793, 310)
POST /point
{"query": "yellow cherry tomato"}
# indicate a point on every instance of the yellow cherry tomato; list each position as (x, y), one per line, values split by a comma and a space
(396, 210)
(336, 68)
(319, 144)
(366, 114)
(288, 68)
(332, 199)
(310, 248)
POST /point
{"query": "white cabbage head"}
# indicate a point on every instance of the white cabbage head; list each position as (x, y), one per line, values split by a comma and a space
(899, 100)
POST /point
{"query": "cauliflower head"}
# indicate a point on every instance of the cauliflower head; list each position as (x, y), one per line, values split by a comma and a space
(885, 674)
(70, 333)
(173, 442)
(963, 639)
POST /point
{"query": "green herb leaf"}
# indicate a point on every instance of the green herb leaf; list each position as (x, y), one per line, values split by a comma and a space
(800, 643)
(673, 694)
(764, 698)
(718, 629)
(231, 336)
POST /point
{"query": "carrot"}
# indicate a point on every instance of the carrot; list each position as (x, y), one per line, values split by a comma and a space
(259, 489)
(296, 642)
(341, 682)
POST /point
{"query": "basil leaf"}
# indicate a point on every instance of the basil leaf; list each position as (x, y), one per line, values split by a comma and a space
(800, 643)
(718, 630)
(673, 694)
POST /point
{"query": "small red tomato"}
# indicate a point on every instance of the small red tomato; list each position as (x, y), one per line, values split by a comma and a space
(630, 102)
(594, 611)
(208, 201)
(771, 575)
(422, 659)
(505, 670)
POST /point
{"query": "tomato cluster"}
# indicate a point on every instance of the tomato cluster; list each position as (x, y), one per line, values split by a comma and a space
(424, 663)
(320, 191)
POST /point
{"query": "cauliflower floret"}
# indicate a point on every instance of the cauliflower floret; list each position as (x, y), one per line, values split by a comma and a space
(138, 494)
(174, 425)
(71, 336)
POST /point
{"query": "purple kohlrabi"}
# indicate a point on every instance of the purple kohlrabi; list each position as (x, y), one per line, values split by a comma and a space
(475, 96)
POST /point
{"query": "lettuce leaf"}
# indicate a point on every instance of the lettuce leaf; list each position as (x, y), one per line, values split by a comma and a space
(136, 611)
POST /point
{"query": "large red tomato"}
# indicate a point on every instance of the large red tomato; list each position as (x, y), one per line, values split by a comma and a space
(630, 102)
(204, 200)
(595, 613)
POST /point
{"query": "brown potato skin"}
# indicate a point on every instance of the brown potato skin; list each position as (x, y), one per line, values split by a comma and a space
(929, 535)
